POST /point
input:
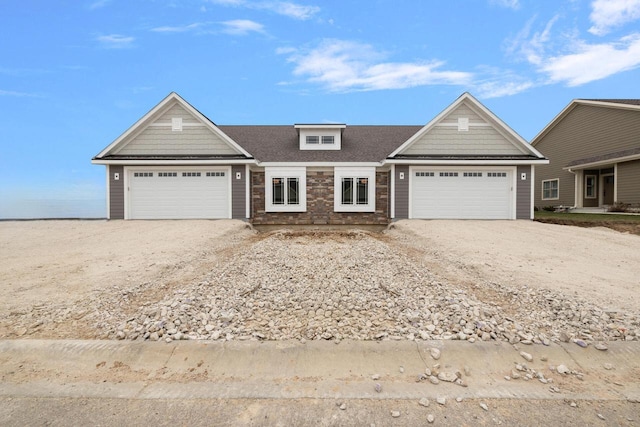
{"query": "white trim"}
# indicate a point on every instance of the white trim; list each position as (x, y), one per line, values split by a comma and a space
(542, 189)
(230, 189)
(586, 187)
(127, 169)
(291, 172)
(320, 126)
(173, 162)
(318, 164)
(108, 187)
(184, 125)
(247, 177)
(160, 107)
(392, 192)
(471, 125)
(607, 162)
(467, 162)
(356, 173)
(532, 191)
(474, 102)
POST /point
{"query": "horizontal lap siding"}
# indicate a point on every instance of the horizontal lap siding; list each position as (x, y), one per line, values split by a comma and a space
(401, 192)
(523, 193)
(116, 192)
(475, 141)
(629, 182)
(190, 141)
(238, 193)
(585, 132)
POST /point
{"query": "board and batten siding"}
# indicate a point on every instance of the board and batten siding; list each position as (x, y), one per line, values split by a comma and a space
(523, 192)
(238, 192)
(629, 182)
(586, 131)
(401, 192)
(116, 192)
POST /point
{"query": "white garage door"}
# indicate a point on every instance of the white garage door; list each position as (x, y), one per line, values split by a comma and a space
(178, 194)
(481, 193)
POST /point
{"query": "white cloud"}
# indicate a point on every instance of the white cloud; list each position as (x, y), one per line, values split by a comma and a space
(590, 62)
(116, 41)
(242, 27)
(531, 47)
(18, 94)
(511, 4)
(285, 8)
(609, 14)
(343, 66)
(178, 29)
(98, 4)
(502, 87)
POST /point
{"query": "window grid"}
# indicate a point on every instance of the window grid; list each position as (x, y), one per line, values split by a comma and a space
(285, 191)
(167, 174)
(313, 139)
(449, 174)
(497, 174)
(473, 174)
(425, 174)
(215, 173)
(194, 174)
(550, 189)
(143, 174)
(327, 139)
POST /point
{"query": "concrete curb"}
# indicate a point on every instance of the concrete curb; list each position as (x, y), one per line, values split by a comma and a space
(291, 370)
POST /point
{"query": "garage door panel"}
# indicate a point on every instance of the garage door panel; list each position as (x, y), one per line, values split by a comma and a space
(449, 194)
(184, 195)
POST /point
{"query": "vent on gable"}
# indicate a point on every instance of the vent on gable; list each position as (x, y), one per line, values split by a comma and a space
(463, 124)
(176, 124)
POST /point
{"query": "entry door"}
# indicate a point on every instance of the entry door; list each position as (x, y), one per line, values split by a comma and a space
(607, 189)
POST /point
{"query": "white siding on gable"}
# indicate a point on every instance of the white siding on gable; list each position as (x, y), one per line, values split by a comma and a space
(158, 138)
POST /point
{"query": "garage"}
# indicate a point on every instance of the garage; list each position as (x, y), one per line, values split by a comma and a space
(462, 193)
(178, 193)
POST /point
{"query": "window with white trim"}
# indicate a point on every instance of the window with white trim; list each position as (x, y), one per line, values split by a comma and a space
(215, 173)
(473, 174)
(143, 174)
(497, 174)
(313, 139)
(193, 174)
(550, 189)
(424, 174)
(285, 189)
(167, 174)
(328, 139)
(590, 187)
(354, 189)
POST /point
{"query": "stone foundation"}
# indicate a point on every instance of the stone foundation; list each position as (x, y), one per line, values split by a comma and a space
(320, 199)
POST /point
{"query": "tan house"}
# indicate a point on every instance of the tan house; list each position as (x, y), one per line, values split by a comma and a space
(593, 146)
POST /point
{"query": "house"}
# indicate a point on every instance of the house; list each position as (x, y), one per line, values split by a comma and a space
(176, 163)
(594, 151)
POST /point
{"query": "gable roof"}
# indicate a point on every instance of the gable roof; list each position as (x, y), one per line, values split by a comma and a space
(627, 104)
(466, 97)
(359, 143)
(156, 111)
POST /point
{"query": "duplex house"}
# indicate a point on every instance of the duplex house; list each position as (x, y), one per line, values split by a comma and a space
(594, 149)
(175, 163)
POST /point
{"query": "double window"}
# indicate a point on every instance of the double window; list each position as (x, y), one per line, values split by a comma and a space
(354, 189)
(285, 189)
(316, 139)
(550, 189)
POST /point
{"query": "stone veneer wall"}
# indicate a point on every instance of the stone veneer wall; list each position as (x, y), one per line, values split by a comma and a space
(319, 203)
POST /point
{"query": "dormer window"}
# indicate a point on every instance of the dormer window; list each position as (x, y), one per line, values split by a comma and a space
(320, 137)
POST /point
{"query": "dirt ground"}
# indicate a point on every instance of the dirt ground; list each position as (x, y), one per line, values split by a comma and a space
(62, 262)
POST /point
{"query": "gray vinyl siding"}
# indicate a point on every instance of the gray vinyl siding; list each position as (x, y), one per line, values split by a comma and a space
(584, 132)
(629, 182)
(523, 193)
(401, 192)
(238, 193)
(116, 192)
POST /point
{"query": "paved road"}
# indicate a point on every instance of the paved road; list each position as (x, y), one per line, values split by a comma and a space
(289, 383)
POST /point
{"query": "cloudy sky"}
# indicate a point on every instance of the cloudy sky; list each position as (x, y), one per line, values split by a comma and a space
(74, 75)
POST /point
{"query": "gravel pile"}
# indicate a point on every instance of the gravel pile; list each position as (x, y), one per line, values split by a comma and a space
(354, 285)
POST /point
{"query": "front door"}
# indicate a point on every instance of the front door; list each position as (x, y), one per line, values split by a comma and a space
(607, 189)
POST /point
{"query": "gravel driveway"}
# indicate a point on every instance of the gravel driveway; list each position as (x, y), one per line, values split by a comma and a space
(401, 284)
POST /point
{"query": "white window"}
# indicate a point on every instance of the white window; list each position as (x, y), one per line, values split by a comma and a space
(320, 136)
(328, 139)
(550, 189)
(590, 187)
(313, 139)
(285, 189)
(354, 189)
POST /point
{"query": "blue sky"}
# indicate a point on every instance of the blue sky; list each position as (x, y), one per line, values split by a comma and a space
(74, 75)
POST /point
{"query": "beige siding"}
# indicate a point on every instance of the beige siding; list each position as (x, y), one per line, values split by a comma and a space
(176, 110)
(163, 141)
(629, 182)
(463, 110)
(449, 141)
(585, 132)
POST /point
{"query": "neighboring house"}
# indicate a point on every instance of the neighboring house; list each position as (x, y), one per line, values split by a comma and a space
(594, 149)
(176, 163)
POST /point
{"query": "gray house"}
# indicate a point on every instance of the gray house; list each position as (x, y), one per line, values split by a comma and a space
(594, 149)
(176, 163)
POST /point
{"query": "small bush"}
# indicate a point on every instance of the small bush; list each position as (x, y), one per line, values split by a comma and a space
(549, 208)
(618, 207)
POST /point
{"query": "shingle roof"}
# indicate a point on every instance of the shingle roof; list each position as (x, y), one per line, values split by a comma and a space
(281, 144)
(617, 101)
(604, 157)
